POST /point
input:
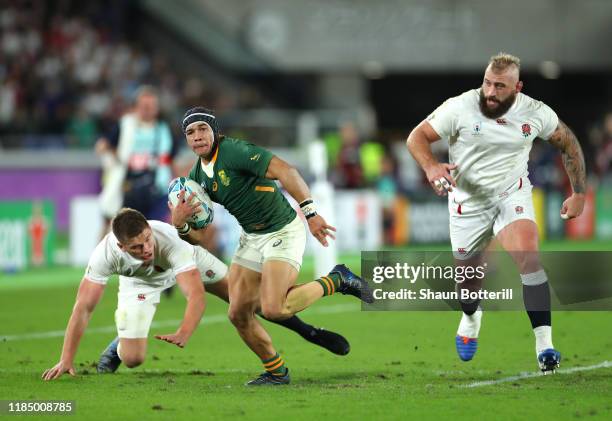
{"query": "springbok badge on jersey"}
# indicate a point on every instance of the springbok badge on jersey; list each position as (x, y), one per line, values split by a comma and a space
(225, 180)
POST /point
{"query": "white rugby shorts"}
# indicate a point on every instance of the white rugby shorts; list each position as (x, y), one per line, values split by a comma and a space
(137, 301)
(472, 226)
(286, 244)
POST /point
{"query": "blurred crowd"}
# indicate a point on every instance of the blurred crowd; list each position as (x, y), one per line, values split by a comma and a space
(69, 70)
(600, 138)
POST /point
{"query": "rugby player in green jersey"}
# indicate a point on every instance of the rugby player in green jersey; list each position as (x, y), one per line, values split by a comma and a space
(262, 276)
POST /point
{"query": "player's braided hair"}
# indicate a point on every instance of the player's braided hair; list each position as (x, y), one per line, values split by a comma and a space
(128, 223)
(501, 61)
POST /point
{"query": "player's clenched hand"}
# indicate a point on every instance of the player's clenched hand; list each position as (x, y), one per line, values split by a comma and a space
(185, 209)
(440, 179)
(573, 206)
(320, 230)
(59, 369)
(177, 339)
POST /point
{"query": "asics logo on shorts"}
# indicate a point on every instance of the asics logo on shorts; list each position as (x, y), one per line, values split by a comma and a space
(277, 243)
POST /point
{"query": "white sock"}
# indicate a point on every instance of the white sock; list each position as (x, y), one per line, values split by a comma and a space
(543, 338)
(470, 325)
(119, 350)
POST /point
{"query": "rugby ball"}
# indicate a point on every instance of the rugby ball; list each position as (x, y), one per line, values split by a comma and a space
(205, 214)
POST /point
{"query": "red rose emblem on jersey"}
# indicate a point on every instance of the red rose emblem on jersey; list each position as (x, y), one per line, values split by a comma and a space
(142, 297)
(526, 128)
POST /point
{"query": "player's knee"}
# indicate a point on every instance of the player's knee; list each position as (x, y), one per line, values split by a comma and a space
(133, 360)
(527, 261)
(132, 352)
(273, 311)
(133, 363)
(239, 317)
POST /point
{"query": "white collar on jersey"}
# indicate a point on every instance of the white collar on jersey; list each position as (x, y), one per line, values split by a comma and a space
(208, 168)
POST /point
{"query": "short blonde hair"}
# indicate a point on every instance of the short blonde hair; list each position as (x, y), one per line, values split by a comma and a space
(501, 61)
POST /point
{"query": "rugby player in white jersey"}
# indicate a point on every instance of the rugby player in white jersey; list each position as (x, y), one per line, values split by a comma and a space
(490, 133)
(150, 257)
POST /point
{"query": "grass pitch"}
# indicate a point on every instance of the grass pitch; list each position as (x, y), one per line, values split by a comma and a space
(402, 364)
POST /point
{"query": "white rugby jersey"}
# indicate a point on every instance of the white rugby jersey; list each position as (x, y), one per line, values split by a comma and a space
(171, 256)
(491, 154)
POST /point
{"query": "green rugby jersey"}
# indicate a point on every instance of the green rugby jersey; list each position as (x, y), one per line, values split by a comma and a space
(238, 183)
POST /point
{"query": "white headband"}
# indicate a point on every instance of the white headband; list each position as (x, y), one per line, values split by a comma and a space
(204, 114)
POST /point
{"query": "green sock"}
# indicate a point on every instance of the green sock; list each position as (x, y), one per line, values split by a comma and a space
(329, 283)
(275, 365)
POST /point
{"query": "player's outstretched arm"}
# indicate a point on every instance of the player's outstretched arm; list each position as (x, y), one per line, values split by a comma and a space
(191, 284)
(573, 160)
(438, 174)
(87, 298)
(295, 185)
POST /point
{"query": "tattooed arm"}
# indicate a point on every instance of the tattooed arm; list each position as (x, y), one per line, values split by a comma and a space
(573, 161)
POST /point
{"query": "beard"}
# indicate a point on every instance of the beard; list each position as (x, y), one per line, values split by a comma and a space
(502, 107)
